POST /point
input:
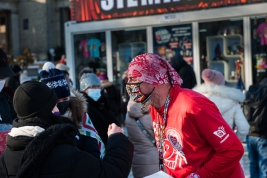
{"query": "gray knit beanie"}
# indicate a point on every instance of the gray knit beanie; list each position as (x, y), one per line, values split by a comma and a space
(88, 80)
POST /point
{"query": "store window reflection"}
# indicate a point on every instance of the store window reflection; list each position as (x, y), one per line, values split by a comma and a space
(259, 47)
(222, 49)
(126, 44)
(90, 51)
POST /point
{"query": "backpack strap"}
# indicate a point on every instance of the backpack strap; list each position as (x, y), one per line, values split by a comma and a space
(145, 131)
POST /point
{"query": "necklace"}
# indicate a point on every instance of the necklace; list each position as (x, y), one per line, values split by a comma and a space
(160, 129)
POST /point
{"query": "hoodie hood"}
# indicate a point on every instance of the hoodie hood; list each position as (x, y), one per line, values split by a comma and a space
(224, 97)
(178, 62)
(134, 109)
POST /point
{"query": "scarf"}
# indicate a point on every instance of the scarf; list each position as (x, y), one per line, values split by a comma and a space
(88, 129)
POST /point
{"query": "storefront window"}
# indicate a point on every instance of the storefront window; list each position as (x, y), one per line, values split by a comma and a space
(259, 47)
(90, 51)
(173, 40)
(126, 44)
(221, 48)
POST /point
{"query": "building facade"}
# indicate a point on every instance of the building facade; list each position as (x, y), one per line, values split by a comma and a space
(34, 24)
(228, 36)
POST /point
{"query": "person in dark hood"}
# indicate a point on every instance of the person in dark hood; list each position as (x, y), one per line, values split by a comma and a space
(42, 144)
(7, 112)
(185, 71)
(13, 82)
(72, 104)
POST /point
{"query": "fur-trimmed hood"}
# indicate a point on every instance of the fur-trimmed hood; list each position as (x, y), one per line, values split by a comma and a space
(77, 107)
(224, 97)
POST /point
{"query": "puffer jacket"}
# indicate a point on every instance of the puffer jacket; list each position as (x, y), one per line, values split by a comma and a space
(228, 102)
(145, 159)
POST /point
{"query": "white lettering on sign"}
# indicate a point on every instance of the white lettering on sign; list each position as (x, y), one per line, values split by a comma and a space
(108, 5)
(132, 3)
(170, 18)
(119, 4)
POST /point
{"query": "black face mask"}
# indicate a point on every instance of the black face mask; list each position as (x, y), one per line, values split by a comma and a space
(62, 106)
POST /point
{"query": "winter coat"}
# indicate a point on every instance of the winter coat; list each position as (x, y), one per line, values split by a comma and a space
(185, 71)
(7, 112)
(112, 96)
(255, 109)
(100, 116)
(52, 153)
(76, 112)
(146, 159)
(228, 102)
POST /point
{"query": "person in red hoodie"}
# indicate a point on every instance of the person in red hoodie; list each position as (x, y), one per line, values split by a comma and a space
(192, 138)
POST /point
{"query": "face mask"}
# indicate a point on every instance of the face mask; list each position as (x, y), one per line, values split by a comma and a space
(2, 84)
(95, 94)
(133, 89)
(62, 106)
(56, 113)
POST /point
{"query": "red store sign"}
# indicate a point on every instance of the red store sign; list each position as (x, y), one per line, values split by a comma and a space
(89, 10)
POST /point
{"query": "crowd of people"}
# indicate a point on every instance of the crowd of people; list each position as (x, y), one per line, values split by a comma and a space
(50, 129)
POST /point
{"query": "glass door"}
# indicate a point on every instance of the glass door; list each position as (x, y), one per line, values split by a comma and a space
(126, 44)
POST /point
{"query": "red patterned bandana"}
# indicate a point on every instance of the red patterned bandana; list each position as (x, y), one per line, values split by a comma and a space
(152, 69)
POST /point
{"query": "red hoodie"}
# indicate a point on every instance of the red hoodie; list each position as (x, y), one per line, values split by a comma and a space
(198, 142)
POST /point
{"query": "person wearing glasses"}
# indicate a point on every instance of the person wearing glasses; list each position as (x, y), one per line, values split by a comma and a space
(192, 138)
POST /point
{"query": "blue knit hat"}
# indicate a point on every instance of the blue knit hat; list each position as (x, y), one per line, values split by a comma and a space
(55, 79)
(88, 80)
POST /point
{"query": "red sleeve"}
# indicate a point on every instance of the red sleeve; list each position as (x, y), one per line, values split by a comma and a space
(228, 148)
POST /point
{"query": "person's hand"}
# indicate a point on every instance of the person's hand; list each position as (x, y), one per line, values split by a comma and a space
(113, 128)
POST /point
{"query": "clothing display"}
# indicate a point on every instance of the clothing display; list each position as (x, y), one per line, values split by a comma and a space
(94, 46)
(84, 48)
(262, 31)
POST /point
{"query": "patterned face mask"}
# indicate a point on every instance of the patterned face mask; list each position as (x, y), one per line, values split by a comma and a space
(133, 90)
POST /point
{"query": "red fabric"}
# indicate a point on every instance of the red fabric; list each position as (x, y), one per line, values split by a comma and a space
(152, 69)
(193, 143)
(63, 61)
(3, 140)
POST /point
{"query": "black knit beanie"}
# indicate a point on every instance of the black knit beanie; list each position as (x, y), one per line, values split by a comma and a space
(34, 99)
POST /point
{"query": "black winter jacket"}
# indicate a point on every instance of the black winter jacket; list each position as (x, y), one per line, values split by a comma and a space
(255, 110)
(52, 154)
(185, 71)
(7, 112)
(101, 116)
